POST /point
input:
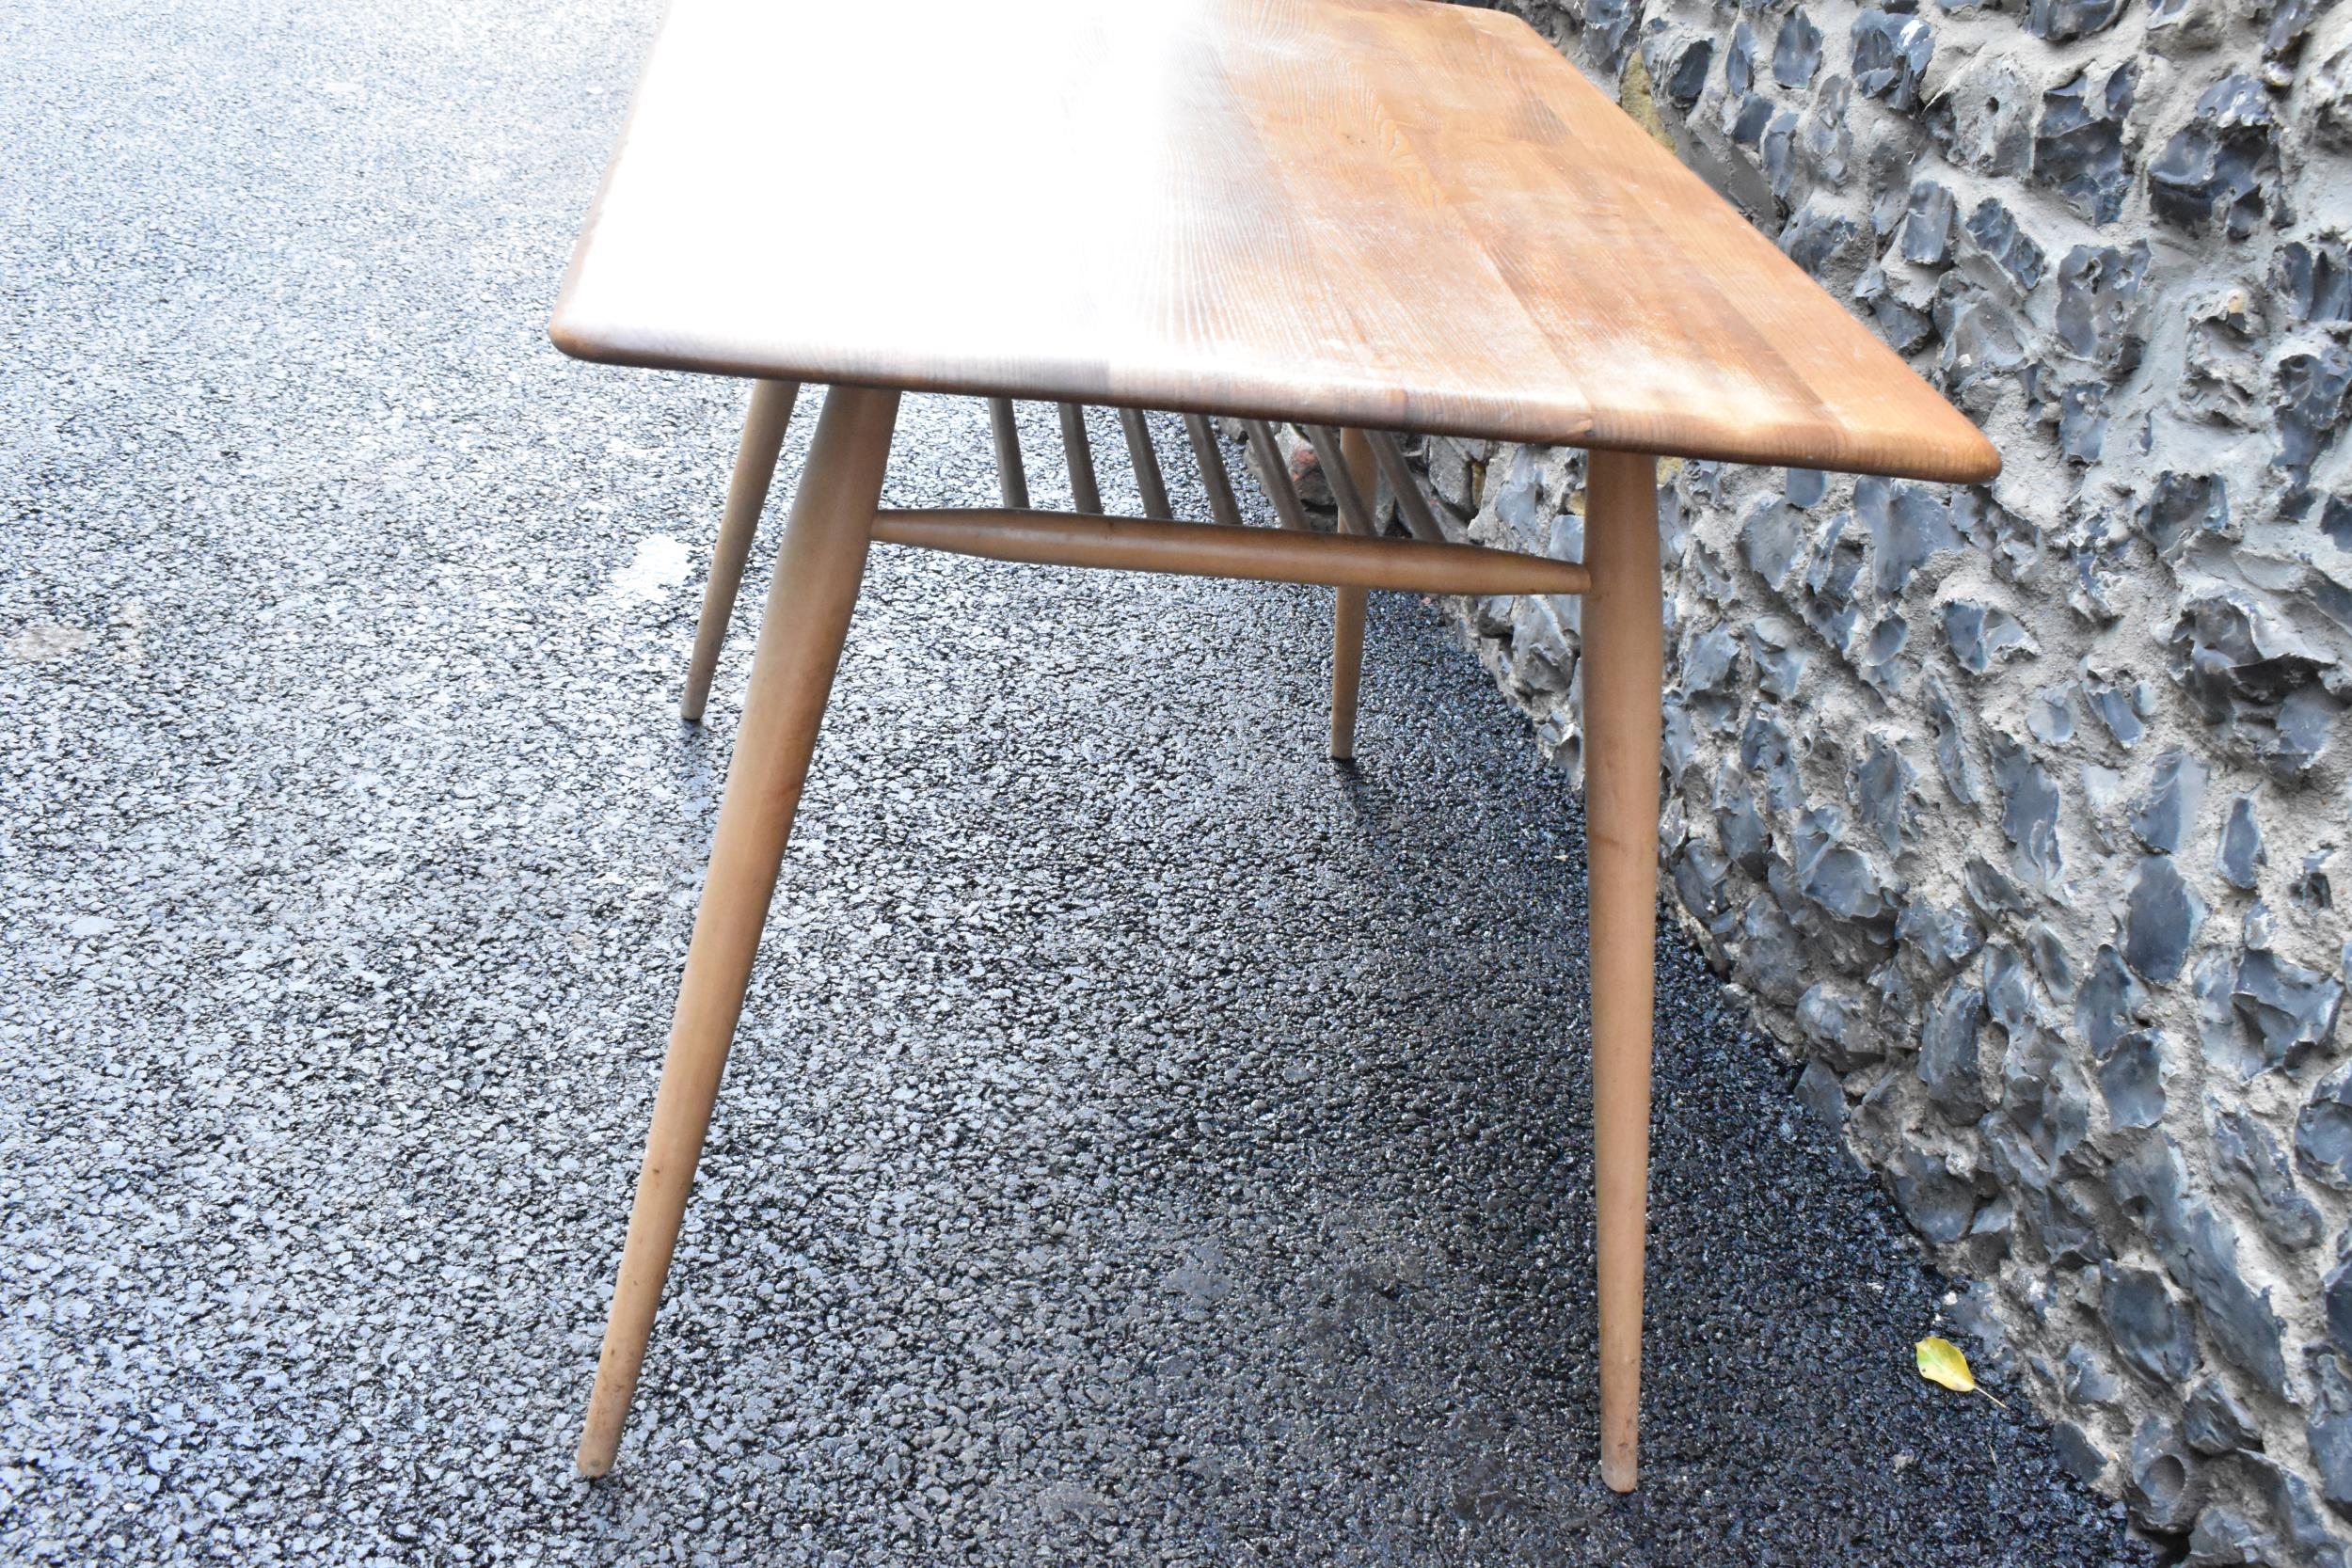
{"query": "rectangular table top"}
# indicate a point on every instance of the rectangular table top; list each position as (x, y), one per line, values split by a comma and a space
(1390, 213)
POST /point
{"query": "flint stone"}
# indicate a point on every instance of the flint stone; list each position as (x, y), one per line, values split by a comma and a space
(1992, 233)
(2152, 1331)
(2311, 389)
(2249, 1165)
(1951, 1063)
(2150, 1183)
(2248, 674)
(1711, 682)
(1819, 1092)
(1745, 839)
(1983, 120)
(2182, 509)
(2110, 1003)
(1764, 752)
(1815, 237)
(2290, 1010)
(2078, 1452)
(2082, 1381)
(1803, 486)
(2166, 1485)
(1982, 339)
(1769, 960)
(2065, 1227)
(1910, 525)
(2311, 890)
(2224, 1537)
(1993, 893)
(2226, 1044)
(2213, 1423)
(1905, 328)
(1928, 225)
(2051, 716)
(1943, 939)
(2161, 917)
(2167, 815)
(1772, 540)
(2315, 278)
(1880, 786)
(2029, 807)
(1831, 1021)
(2079, 145)
(1983, 635)
(2083, 420)
(2239, 856)
(1679, 63)
(2116, 710)
(1797, 52)
(2057, 21)
(1609, 31)
(2292, 1504)
(1832, 875)
(1701, 882)
(2329, 1428)
(1890, 56)
(2212, 169)
(2050, 961)
(1779, 663)
(2337, 1298)
(2098, 304)
(1939, 1202)
(2132, 1080)
(2322, 1131)
(1828, 140)
(2007, 987)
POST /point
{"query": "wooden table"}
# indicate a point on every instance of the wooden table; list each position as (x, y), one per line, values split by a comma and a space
(1387, 215)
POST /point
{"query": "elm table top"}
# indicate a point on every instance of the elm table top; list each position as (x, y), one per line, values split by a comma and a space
(1388, 213)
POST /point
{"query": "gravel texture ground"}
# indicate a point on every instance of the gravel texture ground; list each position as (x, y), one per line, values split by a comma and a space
(1146, 1143)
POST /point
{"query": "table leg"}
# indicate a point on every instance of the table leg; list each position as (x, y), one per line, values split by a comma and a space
(1624, 671)
(1012, 480)
(818, 573)
(747, 493)
(1347, 618)
(1084, 495)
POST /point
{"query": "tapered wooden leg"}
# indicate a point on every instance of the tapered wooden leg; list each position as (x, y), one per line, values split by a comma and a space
(800, 646)
(747, 493)
(1214, 479)
(1149, 484)
(1624, 671)
(1351, 478)
(1012, 479)
(1084, 494)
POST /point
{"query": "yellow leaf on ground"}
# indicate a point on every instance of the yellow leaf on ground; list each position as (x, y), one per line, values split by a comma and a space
(1940, 1361)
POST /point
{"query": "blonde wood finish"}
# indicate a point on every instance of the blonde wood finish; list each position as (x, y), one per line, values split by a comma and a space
(823, 562)
(1012, 478)
(1382, 213)
(1210, 458)
(1274, 475)
(1623, 653)
(747, 494)
(1411, 505)
(1207, 550)
(1145, 463)
(1084, 494)
(1347, 466)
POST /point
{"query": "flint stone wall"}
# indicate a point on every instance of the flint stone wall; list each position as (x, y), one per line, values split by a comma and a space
(2017, 809)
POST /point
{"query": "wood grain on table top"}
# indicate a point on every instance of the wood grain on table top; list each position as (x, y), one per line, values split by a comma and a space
(1395, 215)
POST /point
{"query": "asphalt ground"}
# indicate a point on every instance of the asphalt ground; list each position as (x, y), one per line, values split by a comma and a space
(1146, 1143)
